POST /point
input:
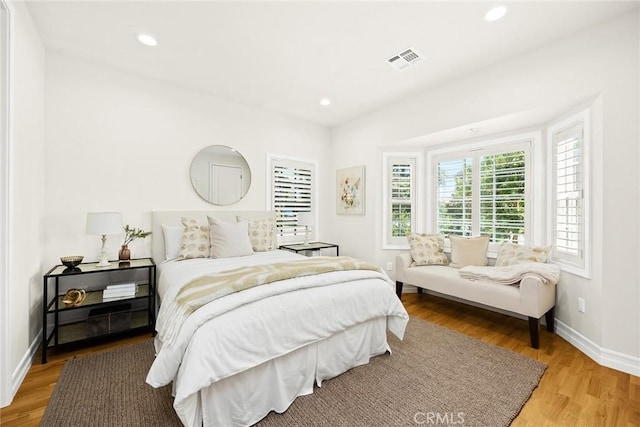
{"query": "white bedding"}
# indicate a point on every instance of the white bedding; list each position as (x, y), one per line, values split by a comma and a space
(241, 331)
(177, 271)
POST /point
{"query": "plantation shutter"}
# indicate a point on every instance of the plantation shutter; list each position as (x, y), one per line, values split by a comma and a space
(568, 221)
(292, 193)
(401, 198)
(484, 191)
(502, 196)
(454, 197)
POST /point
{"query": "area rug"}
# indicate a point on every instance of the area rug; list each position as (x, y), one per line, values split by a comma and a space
(434, 377)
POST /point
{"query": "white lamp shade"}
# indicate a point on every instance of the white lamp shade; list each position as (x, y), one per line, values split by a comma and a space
(305, 218)
(103, 223)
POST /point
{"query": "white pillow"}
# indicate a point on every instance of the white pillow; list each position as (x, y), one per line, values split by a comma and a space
(229, 239)
(172, 240)
(468, 251)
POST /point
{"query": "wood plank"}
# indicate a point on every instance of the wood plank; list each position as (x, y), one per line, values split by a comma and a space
(573, 391)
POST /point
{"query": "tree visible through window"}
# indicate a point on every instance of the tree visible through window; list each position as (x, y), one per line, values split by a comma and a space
(401, 197)
(454, 197)
(483, 194)
(502, 196)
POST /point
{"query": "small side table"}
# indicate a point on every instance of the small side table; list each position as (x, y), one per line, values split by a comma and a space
(97, 317)
(312, 246)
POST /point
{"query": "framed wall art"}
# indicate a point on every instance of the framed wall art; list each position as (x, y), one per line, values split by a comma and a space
(350, 191)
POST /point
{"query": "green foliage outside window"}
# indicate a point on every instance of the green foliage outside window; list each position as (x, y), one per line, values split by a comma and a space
(502, 196)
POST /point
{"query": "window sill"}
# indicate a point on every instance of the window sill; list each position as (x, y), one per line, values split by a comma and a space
(394, 247)
(572, 269)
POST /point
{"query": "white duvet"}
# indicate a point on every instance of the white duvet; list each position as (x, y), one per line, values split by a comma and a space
(240, 331)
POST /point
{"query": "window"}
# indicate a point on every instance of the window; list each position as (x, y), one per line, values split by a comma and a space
(454, 194)
(400, 214)
(568, 197)
(503, 196)
(292, 192)
(484, 190)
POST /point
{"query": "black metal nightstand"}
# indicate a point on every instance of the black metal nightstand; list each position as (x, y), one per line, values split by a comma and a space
(97, 317)
(312, 246)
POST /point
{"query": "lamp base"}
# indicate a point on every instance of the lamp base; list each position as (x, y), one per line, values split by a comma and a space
(103, 263)
(306, 235)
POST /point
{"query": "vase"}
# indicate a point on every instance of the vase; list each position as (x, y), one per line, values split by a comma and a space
(124, 253)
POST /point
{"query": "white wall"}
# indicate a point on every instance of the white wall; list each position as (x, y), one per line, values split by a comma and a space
(602, 60)
(119, 142)
(27, 194)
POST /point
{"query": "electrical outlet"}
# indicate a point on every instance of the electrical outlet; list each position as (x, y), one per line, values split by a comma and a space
(581, 305)
(389, 266)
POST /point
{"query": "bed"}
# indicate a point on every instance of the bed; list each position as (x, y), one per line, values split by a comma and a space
(236, 356)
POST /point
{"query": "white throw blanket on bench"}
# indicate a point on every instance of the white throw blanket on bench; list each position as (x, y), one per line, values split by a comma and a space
(512, 274)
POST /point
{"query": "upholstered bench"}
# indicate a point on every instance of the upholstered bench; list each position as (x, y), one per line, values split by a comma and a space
(532, 297)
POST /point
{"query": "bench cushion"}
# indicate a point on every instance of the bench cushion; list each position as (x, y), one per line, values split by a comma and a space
(447, 280)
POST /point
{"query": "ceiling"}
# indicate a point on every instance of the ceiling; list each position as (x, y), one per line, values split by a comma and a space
(285, 56)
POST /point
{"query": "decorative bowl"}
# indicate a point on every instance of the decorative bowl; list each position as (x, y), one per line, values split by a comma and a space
(71, 261)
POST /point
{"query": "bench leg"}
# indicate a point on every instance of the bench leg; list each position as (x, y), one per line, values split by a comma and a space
(399, 289)
(533, 332)
(419, 289)
(550, 318)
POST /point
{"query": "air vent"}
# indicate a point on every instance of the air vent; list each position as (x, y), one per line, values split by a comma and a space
(404, 59)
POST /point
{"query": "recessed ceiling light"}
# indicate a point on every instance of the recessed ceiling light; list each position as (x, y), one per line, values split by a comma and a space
(146, 39)
(495, 13)
(325, 102)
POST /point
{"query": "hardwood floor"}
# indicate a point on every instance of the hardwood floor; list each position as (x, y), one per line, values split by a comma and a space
(574, 391)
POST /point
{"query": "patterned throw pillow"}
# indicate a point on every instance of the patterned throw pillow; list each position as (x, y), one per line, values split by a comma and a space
(468, 251)
(262, 233)
(427, 249)
(195, 240)
(511, 253)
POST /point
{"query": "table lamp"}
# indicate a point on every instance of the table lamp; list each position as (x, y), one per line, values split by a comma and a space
(101, 224)
(306, 219)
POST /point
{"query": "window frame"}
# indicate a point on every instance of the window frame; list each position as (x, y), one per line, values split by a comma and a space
(531, 143)
(298, 236)
(581, 265)
(389, 158)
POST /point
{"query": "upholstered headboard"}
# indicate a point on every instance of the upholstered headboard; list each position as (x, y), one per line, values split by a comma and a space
(173, 218)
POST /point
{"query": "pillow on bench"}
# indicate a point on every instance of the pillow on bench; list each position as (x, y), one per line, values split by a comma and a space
(511, 253)
(427, 249)
(469, 251)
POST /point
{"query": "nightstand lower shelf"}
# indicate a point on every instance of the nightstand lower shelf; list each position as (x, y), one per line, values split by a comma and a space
(78, 332)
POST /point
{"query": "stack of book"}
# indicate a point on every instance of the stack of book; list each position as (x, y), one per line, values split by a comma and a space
(119, 291)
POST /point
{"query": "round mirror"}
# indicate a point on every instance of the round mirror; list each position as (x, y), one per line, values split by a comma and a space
(220, 175)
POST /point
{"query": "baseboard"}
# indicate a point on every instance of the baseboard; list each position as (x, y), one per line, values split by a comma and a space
(602, 356)
(25, 364)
